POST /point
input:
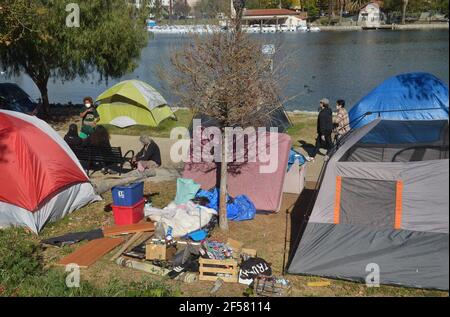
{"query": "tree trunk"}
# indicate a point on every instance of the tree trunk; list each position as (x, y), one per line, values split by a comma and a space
(341, 11)
(223, 221)
(405, 5)
(330, 11)
(41, 83)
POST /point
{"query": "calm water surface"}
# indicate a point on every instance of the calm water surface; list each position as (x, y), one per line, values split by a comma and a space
(328, 64)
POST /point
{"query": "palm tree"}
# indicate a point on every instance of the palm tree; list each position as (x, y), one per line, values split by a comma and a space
(355, 5)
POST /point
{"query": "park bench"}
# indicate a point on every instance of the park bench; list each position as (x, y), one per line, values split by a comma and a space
(95, 158)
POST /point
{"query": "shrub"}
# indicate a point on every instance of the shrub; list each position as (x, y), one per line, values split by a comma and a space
(20, 256)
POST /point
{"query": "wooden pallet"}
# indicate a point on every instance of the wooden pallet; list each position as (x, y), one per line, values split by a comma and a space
(211, 270)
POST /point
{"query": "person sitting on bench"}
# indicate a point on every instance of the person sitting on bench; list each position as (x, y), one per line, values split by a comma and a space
(72, 138)
(100, 139)
(149, 157)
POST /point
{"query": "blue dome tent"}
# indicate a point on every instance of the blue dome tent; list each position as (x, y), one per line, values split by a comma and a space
(412, 96)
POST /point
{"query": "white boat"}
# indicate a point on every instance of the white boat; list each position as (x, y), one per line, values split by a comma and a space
(183, 29)
(199, 29)
(288, 28)
(252, 29)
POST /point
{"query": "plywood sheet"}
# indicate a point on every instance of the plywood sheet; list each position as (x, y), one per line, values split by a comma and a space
(120, 230)
(91, 252)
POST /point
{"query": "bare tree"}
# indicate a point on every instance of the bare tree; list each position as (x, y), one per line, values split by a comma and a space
(226, 76)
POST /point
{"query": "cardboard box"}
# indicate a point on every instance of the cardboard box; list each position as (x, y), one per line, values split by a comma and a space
(155, 251)
(249, 252)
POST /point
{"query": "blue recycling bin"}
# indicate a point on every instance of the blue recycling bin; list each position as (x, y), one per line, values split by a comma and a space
(129, 195)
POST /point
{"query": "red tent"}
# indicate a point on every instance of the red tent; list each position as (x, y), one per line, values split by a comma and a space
(40, 177)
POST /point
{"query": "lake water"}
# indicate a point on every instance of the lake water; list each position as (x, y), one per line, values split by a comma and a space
(328, 64)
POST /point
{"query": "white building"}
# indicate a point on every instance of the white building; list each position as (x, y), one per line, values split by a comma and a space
(370, 16)
(274, 17)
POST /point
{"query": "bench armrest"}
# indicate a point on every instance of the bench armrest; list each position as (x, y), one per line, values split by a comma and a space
(126, 157)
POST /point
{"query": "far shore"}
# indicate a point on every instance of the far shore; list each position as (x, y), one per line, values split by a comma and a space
(399, 27)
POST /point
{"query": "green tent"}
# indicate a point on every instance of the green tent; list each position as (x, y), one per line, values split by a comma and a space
(132, 102)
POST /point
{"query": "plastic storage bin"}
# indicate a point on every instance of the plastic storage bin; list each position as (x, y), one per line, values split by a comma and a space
(128, 196)
(128, 215)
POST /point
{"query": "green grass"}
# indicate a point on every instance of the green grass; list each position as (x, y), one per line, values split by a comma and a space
(23, 273)
(183, 119)
(303, 127)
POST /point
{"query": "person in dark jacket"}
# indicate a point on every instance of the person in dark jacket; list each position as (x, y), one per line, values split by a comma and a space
(99, 138)
(72, 138)
(324, 128)
(150, 155)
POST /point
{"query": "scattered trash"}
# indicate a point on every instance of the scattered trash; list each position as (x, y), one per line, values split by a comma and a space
(72, 238)
(160, 232)
(187, 277)
(270, 286)
(248, 253)
(184, 218)
(318, 284)
(252, 268)
(128, 244)
(238, 209)
(216, 250)
(186, 190)
(198, 235)
(156, 250)
(142, 266)
(217, 285)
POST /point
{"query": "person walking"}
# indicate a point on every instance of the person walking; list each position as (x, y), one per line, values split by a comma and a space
(324, 129)
(341, 121)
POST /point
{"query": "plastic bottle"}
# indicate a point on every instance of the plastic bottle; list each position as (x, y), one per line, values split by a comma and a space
(160, 233)
(169, 237)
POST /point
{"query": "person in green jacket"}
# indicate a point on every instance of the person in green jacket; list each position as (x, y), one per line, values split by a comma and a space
(90, 117)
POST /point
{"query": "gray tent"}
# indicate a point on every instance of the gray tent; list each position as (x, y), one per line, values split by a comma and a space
(383, 199)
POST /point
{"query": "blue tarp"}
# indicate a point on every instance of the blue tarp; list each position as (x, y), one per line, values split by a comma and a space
(412, 96)
(238, 209)
(295, 156)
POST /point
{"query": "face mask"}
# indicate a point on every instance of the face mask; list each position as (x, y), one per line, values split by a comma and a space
(88, 105)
